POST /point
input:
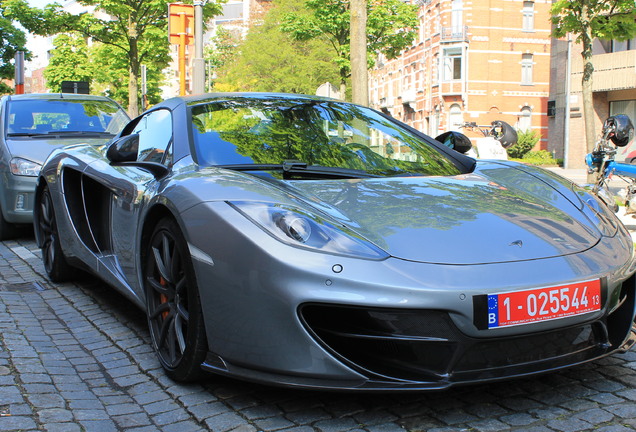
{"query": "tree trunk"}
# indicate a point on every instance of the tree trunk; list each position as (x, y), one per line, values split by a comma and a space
(133, 71)
(343, 88)
(586, 84)
(358, 55)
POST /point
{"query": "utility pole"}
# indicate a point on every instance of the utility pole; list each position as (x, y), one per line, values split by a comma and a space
(358, 56)
(198, 63)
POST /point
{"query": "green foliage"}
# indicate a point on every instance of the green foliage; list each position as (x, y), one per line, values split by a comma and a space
(603, 19)
(540, 157)
(391, 27)
(135, 29)
(526, 140)
(12, 40)
(69, 62)
(270, 60)
(222, 49)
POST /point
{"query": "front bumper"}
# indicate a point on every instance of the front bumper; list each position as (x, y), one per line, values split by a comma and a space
(16, 198)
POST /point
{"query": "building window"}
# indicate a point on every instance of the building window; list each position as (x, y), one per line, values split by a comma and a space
(528, 16)
(457, 19)
(525, 119)
(626, 45)
(452, 64)
(527, 63)
(627, 107)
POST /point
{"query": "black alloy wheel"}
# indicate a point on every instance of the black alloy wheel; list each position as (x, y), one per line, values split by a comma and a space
(55, 264)
(173, 305)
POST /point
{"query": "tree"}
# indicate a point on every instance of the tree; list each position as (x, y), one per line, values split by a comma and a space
(135, 28)
(12, 40)
(69, 62)
(110, 78)
(587, 20)
(223, 48)
(391, 28)
(270, 60)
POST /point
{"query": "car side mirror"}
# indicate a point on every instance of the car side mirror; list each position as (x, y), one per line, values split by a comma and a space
(124, 149)
(455, 140)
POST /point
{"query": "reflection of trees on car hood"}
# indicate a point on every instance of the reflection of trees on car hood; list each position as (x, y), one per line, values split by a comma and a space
(470, 214)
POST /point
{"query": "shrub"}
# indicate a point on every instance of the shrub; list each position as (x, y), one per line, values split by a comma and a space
(525, 142)
(541, 157)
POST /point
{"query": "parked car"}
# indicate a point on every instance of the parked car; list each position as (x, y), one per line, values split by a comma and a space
(307, 242)
(31, 125)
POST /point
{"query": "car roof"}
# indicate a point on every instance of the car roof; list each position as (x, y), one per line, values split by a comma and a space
(209, 97)
(56, 96)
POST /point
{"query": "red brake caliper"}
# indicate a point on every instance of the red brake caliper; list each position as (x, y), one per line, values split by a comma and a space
(163, 298)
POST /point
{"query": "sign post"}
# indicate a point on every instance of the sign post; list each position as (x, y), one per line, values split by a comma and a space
(19, 72)
(180, 32)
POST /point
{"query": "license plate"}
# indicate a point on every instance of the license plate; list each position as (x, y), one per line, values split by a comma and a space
(543, 304)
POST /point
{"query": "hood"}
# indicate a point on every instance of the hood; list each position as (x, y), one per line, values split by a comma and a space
(37, 149)
(498, 213)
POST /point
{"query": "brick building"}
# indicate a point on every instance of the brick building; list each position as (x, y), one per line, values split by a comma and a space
(473, 61)
(614, 92)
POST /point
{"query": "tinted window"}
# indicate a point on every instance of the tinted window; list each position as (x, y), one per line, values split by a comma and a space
(71, 115)
(319, 133)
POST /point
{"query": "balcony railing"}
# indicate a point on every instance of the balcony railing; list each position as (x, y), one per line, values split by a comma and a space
(455, 34)
(612, 71)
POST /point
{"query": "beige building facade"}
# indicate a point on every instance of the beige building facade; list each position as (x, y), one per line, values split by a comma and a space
(473, 61)
(614, 92)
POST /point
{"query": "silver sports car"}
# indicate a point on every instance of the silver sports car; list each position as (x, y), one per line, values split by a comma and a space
(313, 243)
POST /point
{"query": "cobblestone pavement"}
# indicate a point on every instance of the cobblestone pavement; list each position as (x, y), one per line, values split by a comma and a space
(77, 357)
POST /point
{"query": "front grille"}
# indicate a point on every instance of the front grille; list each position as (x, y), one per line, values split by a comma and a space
(426, 346)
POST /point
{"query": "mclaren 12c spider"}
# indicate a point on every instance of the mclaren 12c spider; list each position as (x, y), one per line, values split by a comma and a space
(307, 242)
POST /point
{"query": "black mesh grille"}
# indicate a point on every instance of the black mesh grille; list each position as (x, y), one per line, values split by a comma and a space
(426, 346)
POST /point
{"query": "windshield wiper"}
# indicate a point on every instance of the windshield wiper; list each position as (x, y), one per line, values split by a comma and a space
(25, 134)
(292, 169)
(81, 133)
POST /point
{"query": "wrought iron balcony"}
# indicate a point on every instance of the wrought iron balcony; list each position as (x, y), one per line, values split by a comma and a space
(455, 34)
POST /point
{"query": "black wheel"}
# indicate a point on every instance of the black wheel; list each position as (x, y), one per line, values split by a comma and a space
(55, 264)
(173, 305)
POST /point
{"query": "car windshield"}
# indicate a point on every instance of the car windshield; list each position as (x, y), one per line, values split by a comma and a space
(265, 134)
(64, 116)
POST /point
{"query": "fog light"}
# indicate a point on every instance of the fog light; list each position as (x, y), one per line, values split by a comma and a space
(20, 202)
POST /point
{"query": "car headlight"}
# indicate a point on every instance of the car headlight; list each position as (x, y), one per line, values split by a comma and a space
(23, 167)
(299, 228)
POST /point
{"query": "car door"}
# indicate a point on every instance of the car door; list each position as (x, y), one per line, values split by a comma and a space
(127, 189)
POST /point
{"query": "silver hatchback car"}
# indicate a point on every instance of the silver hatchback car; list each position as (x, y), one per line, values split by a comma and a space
(31, 126)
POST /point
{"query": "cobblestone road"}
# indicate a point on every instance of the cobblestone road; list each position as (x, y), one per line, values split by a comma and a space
(77, 357)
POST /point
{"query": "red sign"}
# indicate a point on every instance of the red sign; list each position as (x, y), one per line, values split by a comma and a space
(543, 304)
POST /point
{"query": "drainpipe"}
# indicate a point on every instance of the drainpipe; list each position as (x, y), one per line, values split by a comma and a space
(566, 126)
